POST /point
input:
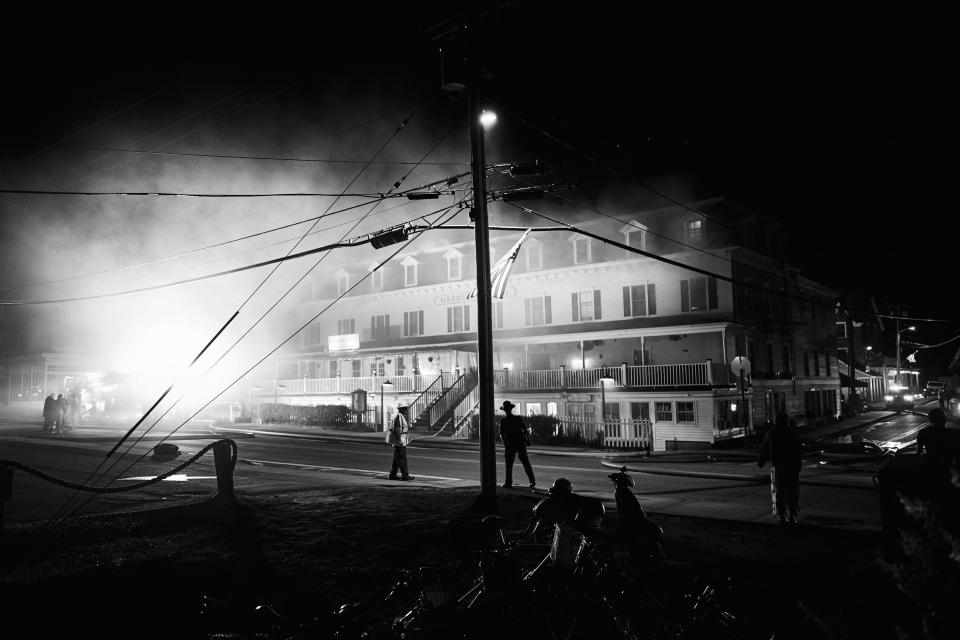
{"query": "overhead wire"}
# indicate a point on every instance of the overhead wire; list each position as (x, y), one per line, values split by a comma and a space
(396, 185)
(401, 247)
(224, 156)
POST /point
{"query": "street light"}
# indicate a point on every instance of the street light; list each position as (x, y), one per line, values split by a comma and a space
(899, 331)
(383, 411)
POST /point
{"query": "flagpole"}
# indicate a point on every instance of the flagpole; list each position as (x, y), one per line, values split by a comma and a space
(488, 450)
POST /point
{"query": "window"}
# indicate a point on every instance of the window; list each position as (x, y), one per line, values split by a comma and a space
(827, 358)
(497, 314)
(533, 409)
(639, 300)
(841, 330)
(380, 327)
(635, 235)
(685, 412)
(413, 323)
(816, 363)
(345, 326)
(355, 368)
(454, 264)
(806, 363)
(745, 292)
(586, 305)
(343, 282)
(376, 278)
(334, 373)
(694, 230)
(663, 411)
(698, 294)
(314, 334)
(581, 249)
(458, 319)
(536, 311)
(409, 271)
(551, 408)
(534, 255)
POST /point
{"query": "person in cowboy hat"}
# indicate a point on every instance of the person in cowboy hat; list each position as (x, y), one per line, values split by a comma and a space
(399, 438)
(513, 435)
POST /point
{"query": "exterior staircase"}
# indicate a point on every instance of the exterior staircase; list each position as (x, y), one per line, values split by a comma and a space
(435, 407)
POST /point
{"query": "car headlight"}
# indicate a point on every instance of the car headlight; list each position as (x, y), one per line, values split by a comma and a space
(908, 398)
(888, 398)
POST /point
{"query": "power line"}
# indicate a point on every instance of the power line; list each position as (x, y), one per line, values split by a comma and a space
(167, 194)
(269, 158)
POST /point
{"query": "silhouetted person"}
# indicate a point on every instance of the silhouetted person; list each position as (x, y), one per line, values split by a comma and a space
(49, 412)
(781, 446)
(513, 435)
(399, 438)
(937, 444)
(74, 409)
(61, 405)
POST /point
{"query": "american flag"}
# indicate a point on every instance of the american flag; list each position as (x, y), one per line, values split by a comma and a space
(501, 271)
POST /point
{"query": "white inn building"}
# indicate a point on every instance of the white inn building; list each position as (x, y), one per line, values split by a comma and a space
(577, 311)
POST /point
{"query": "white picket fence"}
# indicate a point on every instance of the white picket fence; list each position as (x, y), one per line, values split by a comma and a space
(625, 433)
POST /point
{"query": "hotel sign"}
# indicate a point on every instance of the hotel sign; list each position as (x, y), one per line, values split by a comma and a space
(461, 298)
(345, 342)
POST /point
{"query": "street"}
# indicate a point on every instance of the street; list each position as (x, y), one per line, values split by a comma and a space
(837, 488)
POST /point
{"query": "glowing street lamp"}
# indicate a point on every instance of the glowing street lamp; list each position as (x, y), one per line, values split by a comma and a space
(487, 119)
(899, 331)
(383, 407)
(604, 379)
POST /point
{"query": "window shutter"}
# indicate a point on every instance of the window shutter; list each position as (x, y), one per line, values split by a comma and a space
(449, 319)
(651, 299)
(546, 310)
(386, 326)
(526, 311)
(627, 312)
(373, 327)
(711, 293)
(420, 323)
(466, 317)
(406, 324)
(684, 295)
(575, 307)
(596, 304)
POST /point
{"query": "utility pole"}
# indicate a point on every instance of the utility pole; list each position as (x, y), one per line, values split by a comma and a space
(488, 467)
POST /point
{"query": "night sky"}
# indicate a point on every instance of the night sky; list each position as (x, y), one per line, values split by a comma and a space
(842, 126)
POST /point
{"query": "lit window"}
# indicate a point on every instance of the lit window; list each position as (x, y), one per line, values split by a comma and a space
(533, 409)
(537, 311)
(639, 300)
(685, 412)
(534, 255)
(694, 230)
(409, 271)
(698, 294)
(585, 305)
(551, 408)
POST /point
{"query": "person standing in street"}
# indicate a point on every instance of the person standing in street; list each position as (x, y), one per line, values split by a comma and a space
(49, 413)
(61, 409)
(398, 436)
(781, 446)
(515, 439)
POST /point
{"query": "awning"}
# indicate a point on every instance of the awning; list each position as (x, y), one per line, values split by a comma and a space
(847, 381)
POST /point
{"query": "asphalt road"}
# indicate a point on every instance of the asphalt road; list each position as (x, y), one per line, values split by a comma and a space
(837, 488)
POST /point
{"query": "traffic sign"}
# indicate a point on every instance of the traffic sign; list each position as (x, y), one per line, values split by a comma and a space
(739, 364)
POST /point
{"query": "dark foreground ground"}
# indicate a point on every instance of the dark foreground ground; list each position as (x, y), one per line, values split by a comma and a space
(144, 574)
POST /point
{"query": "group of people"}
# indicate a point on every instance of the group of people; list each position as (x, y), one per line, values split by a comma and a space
(59, 413)
(513, 434)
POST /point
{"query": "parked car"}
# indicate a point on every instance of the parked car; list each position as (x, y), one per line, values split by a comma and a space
(933, 389)
(898, 399)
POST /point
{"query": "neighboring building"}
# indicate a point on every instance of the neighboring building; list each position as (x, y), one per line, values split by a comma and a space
(30, 378)
(577, 310)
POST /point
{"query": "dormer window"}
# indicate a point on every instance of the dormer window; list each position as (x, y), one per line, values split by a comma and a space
(635, 235)
(581, 249)
(534, 252)
(454, 264)
(376, 277)
(343, 281)
(694, 230)
(409, 265)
